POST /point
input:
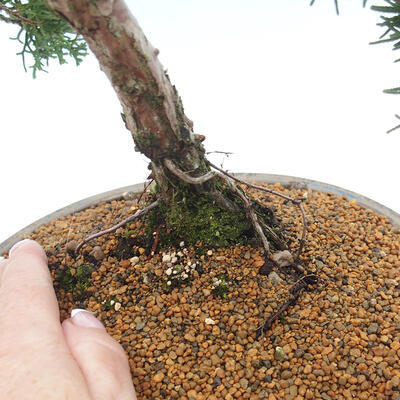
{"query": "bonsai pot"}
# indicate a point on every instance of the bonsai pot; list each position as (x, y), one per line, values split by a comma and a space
(393, 217)
(199, 338)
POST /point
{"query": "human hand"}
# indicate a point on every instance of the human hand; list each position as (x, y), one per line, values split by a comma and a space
(41, 359)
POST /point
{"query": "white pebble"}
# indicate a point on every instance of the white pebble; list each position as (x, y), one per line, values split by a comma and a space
(181, 244)
(185, 276)
(193, 266)
(180, 254)
(209, 321)
(174, 259)
(112, 302)
(169, 283)
(134, 260)
(117, 306)
(209, 252)
(166, 258)
(168, 271)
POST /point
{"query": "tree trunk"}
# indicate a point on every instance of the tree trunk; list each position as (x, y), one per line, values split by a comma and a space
(153, 112)
(152, 108)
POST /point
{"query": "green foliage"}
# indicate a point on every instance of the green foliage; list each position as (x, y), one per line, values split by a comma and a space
(391, 24)
(43, 35)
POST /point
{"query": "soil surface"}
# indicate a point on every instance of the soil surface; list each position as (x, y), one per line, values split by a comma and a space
(187, 316)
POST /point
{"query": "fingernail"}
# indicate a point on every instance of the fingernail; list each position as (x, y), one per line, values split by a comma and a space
(17, 245)
(85, 319)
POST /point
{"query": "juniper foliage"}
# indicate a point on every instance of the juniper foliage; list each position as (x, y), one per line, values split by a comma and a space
(43, 35)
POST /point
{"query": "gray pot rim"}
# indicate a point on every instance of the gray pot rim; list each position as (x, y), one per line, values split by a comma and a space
(378, 208)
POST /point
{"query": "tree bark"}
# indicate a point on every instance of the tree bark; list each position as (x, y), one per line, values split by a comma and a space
(152, 108)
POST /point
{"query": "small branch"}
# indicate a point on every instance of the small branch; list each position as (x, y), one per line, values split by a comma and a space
(16, 15)
(298, 202)
(138, 214)
(187, 178)
(9, 20)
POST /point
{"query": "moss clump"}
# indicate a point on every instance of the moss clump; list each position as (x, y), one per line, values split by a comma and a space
(194, 218)
(72, 279)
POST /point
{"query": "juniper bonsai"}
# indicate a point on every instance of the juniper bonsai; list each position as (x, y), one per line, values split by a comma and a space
(154, 114)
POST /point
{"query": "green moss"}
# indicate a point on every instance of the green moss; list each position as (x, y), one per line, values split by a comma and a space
(154, 100)
(146, 140)
(79, 280)
(194, 218)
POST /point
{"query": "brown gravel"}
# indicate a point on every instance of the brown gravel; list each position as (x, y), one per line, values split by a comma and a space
(341, 341)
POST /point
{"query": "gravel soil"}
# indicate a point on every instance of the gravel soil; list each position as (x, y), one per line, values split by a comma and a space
(187, 316)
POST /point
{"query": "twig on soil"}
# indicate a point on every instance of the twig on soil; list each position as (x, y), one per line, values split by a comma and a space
(138, 214)
(297, 202)
(294, 294)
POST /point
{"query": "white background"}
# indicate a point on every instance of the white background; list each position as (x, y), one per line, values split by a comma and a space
(289, 89)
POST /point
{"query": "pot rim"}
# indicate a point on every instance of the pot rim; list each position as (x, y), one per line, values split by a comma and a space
(285, 180)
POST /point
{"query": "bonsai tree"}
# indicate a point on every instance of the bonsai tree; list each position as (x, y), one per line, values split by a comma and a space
(194, 197)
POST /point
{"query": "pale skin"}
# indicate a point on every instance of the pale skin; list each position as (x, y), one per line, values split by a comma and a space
(42, 359)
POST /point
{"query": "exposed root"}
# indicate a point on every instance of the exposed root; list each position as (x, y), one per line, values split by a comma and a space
(228, 178)
(298, 202)
(138, 214)
(187, 178)
(250, 212)
(294, 293)
(225, 203)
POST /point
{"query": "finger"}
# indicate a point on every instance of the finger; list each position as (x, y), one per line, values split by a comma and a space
(27, 298)
(101, 359)
(34, 357)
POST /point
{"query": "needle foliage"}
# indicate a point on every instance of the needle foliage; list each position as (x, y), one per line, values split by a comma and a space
(43, 35)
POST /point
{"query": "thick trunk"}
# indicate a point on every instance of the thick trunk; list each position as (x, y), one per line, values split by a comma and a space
(152, 108)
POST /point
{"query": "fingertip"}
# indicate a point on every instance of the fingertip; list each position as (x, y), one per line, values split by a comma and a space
(85, 319)
(101, 359)
(27, 245)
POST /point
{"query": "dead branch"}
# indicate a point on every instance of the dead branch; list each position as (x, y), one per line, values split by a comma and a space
(297, 202)
(138, 214)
